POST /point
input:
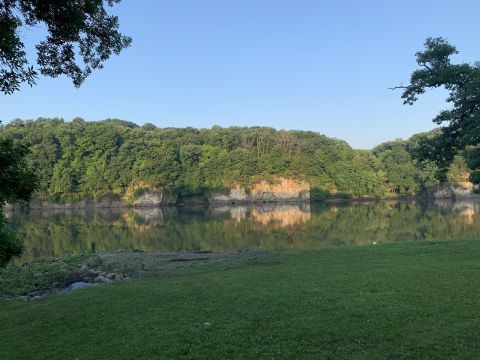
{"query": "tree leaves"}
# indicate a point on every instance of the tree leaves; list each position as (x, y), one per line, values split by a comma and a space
(462, 81)
(17, 183)
(81, 37)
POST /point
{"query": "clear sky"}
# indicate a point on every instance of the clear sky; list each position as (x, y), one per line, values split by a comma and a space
(291, 64)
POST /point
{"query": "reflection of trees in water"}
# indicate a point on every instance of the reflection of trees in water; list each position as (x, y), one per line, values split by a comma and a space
(240, 227)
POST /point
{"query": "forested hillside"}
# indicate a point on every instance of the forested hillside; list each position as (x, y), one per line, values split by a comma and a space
(90, 160)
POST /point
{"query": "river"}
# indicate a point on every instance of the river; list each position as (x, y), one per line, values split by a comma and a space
(231, 228)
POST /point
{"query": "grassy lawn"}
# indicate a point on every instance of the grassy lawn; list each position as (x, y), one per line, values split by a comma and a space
(409, 300)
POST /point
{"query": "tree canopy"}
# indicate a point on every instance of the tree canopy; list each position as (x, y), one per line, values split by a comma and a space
(17, 183)
(461, 130)
(81, 36)
(79, 160)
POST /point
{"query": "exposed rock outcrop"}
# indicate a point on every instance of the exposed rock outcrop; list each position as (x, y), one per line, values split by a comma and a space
(136, 197)
(142, 195)
(234, 195)
(464, 190)
(152, 197)
(282, 190)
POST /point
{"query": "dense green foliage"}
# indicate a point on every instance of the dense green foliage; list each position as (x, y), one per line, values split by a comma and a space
(80, 37)
(77, 160)
(405, 301)
(461, 134)
(16, 184)
(403, 173)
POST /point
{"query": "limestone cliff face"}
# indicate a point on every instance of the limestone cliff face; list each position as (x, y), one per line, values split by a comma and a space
(232, 195)
(142, 195)
(133, 197)
(152, 197)
(464, 190)
(281, 190)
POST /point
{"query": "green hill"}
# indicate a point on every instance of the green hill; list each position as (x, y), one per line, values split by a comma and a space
(80, 160)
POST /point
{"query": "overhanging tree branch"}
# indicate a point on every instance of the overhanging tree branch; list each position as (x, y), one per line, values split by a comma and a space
(81, 37)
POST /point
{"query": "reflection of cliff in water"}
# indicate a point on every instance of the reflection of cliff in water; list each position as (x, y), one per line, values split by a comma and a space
(284, 215)
(229, 228)
(467, 209)
(142, 219)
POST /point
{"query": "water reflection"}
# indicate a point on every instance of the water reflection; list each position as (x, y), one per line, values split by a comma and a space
(225, 228)
(284, 215)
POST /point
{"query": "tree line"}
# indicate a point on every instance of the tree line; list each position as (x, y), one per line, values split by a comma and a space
(91, 160)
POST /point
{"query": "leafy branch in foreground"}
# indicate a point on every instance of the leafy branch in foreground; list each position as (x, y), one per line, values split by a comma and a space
(81, 36)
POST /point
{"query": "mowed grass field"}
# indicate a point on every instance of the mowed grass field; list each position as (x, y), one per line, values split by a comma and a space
(402, 301)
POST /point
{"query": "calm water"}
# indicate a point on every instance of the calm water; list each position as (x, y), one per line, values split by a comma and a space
(224, 228)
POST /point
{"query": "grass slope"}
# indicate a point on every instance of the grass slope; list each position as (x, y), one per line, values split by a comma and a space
(410, 300)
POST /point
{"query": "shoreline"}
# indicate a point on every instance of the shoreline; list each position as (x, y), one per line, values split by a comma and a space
(47, 205)
(82, 205)
(44, 277)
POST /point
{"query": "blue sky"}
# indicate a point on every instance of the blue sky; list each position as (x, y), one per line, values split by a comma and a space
(291, 64)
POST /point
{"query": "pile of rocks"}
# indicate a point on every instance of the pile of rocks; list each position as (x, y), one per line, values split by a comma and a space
(102, 277)
(82, 277)
(98, 276)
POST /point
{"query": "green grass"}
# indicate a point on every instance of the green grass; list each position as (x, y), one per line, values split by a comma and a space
(410, 300)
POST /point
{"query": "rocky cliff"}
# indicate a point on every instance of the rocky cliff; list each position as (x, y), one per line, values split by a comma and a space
(463, 190)
(281, 190)
(144, 195)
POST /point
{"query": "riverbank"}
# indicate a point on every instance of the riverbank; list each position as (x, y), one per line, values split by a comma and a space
(91, 204)
(409, 300)
(46, 277)
(150, 200)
